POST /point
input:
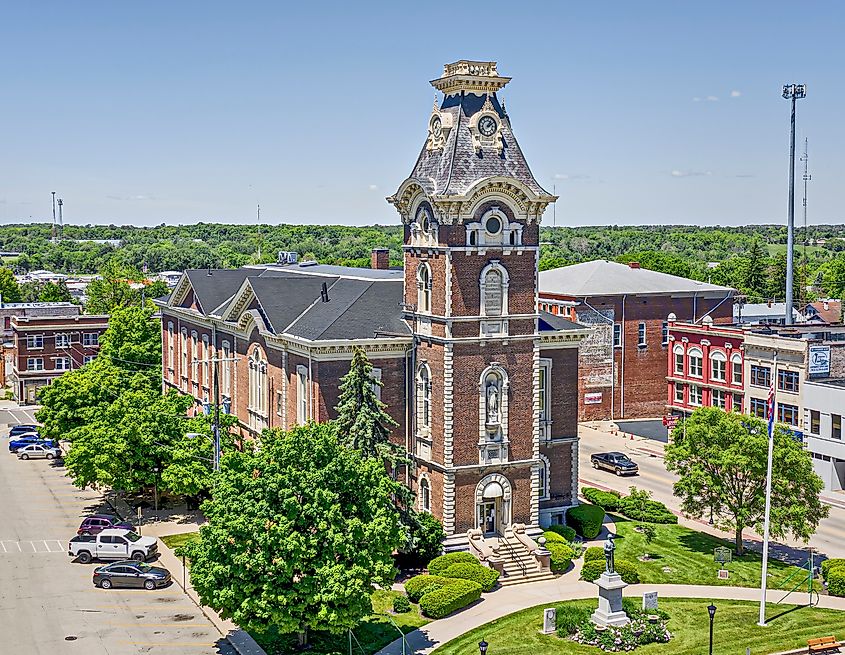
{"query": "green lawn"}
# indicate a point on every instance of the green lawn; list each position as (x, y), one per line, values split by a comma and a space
(373, 633)
(690, 556)
(735, 628)
(174, 541)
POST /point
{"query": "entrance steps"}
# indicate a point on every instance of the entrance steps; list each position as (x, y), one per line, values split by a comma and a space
(518, 563)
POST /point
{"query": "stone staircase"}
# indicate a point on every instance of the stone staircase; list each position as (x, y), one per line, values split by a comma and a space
(519, 564)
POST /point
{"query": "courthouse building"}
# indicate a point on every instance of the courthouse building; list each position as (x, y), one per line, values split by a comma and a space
(483, 385)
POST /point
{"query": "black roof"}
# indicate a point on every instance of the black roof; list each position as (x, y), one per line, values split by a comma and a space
(552, 322)
(212, 286)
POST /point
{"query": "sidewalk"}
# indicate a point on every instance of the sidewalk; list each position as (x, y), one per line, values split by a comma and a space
(240, 640)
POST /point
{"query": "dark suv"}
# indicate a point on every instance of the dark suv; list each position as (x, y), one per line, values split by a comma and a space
(96, 523)
(23, 428)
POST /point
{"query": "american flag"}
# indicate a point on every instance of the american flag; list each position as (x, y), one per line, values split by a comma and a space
(770, 405)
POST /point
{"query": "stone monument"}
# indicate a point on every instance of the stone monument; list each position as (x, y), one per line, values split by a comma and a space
(610, 612)
(549, 621)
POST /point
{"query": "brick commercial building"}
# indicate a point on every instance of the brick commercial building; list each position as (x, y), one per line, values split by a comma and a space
(622, 364)
(705, 367)
(45, 347)
(483, 386)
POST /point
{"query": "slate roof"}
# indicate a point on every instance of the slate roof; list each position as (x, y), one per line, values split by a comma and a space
(456, 167)
(289, 299)
(603, 278)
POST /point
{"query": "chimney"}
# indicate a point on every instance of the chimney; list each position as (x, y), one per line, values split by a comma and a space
(826, 305)
(380, 259)
(634, 264)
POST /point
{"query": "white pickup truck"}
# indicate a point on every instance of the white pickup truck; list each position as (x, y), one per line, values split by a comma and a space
(112, 544)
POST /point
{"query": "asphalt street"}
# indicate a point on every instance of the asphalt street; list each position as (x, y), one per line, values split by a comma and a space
(48, 605)
(829, 540)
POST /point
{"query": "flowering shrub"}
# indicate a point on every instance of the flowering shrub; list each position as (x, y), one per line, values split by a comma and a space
(638, 632)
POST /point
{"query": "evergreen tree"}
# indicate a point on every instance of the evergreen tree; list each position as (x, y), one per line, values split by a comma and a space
(754, 276)
(363, 424)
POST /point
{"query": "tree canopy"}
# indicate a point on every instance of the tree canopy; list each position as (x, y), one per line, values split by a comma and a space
(721, 458)
(298, 533)
(10, 291)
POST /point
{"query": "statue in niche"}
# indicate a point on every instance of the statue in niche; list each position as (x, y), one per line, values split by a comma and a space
(492, 403)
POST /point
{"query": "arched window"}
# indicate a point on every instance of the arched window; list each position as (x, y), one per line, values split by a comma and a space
(424, 399)
(678, 352)
(424, 289)
(736, 368)
(695, 362)
(543, 478)
(258, 383)
(718, 366)
(425, 495)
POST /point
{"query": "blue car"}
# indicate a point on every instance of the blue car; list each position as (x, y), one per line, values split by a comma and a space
(15, 444)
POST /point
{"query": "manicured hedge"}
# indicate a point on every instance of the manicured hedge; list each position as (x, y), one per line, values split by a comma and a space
(487, 578)
(586, 519)
(401, 604)
(831, 563)
(457, 595)
(593, 569)
(564, 531)
(593, 554)
(439, 564)
(554, 537)
(419, 585)
(561, 555)
(836, 580)
(607, 499)
(651, 511)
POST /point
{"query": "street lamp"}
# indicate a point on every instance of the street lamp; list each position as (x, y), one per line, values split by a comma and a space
(482, 646)
(711, 609)
(791, 92)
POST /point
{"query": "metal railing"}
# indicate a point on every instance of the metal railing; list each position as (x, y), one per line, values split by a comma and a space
(512, 551)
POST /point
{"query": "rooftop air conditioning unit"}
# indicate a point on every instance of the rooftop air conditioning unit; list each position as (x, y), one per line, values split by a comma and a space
(287, 257)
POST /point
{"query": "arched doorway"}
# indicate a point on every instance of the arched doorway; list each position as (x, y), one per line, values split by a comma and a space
(493, 505)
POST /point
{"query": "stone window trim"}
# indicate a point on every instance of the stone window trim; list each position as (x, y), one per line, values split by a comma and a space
(493, 392)
(736, 360)
(484, 281)
(423, 400)
(544, 483)
(258, 389)
(695, 359)
(424, 285)
(302, 388)
(424, 495)
(494, 483)
(545, 398)
(677, 350)
(718, 366)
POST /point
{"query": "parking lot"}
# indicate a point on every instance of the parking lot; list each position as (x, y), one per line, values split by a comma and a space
(48, 605)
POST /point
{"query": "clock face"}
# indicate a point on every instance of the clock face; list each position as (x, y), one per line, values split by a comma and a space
(487, 125)
(436, 127)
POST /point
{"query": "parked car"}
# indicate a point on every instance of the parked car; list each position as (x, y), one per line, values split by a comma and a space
(23, 428)
(19, 442)
(96, 523)
(619, 463)
(131, 574)
(39, 451)
(112, 544)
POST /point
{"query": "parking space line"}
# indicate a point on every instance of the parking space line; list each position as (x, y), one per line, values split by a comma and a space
(139, 624)
(181, 644)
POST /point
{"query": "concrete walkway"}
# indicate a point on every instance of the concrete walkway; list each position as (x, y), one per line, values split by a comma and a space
(508, 600)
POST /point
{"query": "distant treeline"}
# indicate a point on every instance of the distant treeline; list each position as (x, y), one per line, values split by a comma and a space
(751, 259)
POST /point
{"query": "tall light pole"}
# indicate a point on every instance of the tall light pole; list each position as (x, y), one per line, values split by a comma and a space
(711, 609)
(791, 92)
(771, 405)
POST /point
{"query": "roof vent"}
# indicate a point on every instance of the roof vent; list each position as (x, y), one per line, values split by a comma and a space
(324, 293)
(634, 264)
(307, 262)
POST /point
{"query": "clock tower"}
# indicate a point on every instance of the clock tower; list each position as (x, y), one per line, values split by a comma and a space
(471, 212)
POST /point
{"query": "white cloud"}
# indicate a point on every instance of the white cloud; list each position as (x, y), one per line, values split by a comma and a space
(373, 187)
(696, 99)
(560, 176)
(678, 173)
(712, 99)
(735, 93)
(566, 176)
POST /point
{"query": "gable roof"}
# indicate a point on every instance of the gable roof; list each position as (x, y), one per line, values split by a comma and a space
(603, 278)
(214, 285)
(554, 322)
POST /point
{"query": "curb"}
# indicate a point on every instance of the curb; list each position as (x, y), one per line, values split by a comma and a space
(238, 638)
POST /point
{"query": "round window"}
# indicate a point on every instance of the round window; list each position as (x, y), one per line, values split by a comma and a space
(493, 225)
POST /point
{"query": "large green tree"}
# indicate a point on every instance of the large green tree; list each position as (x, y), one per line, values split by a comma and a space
(111, 290)
(721, 458)
(298, 534)
(10, 291)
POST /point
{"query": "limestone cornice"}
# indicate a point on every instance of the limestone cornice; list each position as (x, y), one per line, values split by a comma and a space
(563, 338)
(478, 77)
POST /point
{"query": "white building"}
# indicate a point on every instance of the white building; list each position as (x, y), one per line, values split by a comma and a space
(824, 404)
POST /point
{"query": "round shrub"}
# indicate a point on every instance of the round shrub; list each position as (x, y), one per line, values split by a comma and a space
(592, 570)
(554, 537)
(401, 604)
(586, 519)
(594, 553)
(419, 585)
(457, 595)
(829, 564)
(607, 499)
(439, 564)
(564, 531)
(484, 576)
(836, 580)
(561, 555)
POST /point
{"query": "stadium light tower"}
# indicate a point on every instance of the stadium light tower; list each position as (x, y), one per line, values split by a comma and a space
(791, 92)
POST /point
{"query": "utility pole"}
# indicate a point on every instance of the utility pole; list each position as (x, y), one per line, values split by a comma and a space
(215, 384)
(791, 92)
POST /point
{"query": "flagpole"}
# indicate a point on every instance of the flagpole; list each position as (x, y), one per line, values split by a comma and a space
(771, 417)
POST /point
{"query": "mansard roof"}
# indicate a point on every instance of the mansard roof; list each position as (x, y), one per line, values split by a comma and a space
(361, 303)
(456, 167)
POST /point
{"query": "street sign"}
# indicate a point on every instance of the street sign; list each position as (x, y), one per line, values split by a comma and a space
(670, 421)
(724, 574)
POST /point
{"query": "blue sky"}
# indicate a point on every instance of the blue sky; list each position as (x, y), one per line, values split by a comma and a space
(646, 112)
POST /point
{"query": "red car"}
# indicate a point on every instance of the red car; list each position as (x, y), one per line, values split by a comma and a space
(96, 523)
